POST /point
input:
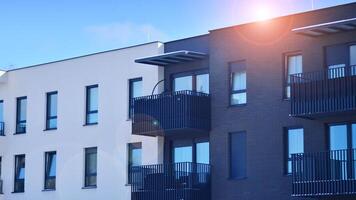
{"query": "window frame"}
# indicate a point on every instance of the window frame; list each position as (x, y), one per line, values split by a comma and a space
(88, 112)
(47, 168)
(16, 173)
(286, 57)
(231, 79)
(286, 146)
(230, 177)
(18, 115)
(130, 147)
(48, 110)
(87, 151)
(131, 92)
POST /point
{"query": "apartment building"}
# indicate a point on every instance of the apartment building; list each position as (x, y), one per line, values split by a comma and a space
(66, 127)
(264, 110)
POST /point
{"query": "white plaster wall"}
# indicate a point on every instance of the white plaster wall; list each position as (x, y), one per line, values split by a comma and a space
(111, 71)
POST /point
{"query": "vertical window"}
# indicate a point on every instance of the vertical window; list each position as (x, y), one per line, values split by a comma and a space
(135, 90)
(238, 93)
(294, 66)
(51, 113)
(92, 104)
(90, 167)
(202, 83)
(353, 59)
(21, 109)
(135, 158)
(2, 124)
(295, 144)
(238, 156)
(19, 184)
(50, 170)
(202, 152)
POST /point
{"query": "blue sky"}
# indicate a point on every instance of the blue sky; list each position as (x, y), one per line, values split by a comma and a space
(38, 31)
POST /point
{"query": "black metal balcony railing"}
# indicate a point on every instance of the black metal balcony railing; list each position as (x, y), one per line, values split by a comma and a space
(2, 129)
(178, 181)
(1, 185)
(185, 111)
(324, 173)
(330, 91)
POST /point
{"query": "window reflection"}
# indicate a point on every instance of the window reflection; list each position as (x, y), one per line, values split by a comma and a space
(183, 83)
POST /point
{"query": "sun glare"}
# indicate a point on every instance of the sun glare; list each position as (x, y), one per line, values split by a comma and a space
(263, 13)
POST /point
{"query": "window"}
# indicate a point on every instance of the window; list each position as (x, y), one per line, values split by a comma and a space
(202, 154)
(294, 66)
(135, 158)
(193, 81)
(238, 93)
(135, 90)
(238, 156)
(92, 104)
(90, 167)
(51, 113)
(19, 184)
(295, 144)
(50, 170)
(21, 109)
(2, 124)
(353, 59)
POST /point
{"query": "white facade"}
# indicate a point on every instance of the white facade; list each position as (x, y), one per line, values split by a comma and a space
(111, 71)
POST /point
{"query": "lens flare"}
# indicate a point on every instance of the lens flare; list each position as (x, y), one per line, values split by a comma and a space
(263, 13)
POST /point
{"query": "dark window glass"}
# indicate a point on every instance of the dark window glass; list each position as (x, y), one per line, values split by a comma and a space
(135, 158)
(92, 104)
(19, 185)
(135, 90)
(294, 66)
(90, 166)
(238, 155)
(51, 113)
(238, 83)
(50, 170)
(295, 144)
(21, 109)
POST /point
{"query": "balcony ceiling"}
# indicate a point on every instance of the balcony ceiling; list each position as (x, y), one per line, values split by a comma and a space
(170, 58)
(327, 28)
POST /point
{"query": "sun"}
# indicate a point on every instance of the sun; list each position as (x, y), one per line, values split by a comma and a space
(263, 13)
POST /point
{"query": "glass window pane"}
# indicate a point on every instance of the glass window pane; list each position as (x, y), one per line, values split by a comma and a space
(1, 111)
(203, 152)
(183, 154)
(52, 168)
(354, 136)
(183, 83)
(136, 89)
(52, 123)
(353, 55)
(91, 163)
(295, 144)
(23, 109)
(93, 99)
(238, 155)
(238, 98)
(53, 105)
(239, 81)
(338, 137)
(295, 65)
(92, 118)
(203, 83)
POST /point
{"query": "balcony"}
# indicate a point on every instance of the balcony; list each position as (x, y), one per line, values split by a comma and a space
(2, 129)
(182, 112)
(331, 173)
(178, 181)
(324, 93)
